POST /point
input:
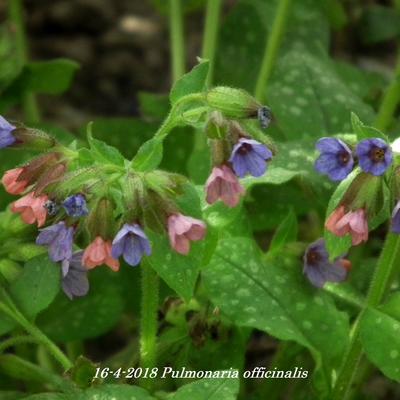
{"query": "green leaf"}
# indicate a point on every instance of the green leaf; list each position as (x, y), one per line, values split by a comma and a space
(276, 299)
(363, 131)
(149, 155)
(209, 389)
(192, 82)
(50, 77)
(37, 286)
(286, 233)
(88, 316)
(103, 152)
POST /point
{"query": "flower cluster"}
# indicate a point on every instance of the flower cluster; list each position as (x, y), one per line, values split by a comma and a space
(70, 204)
(336, 160)
(234, 148)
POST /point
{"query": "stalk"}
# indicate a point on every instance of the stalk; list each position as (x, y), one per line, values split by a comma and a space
(380, 282)
(15, 12)
(176, 39)
(272, 47)
(213, 12)
(148, 320)
(390, 100)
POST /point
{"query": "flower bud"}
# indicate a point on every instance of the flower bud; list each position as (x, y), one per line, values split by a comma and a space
(233, 103)
(35, 139)
(50, 177)
(9, 270)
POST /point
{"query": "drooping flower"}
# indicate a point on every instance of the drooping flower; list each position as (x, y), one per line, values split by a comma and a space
(335, 160)
(264, 116)
(223, 184)
(11, 183)
(31, 209)
(59, 239)
(75, 206)
(182, 230)
(249, 157)
(132, 243)
(355, 223)
(74, 276)
(52, 207)
(374, 156)
(99, 253)
(319, 269)
(396, 219)
(6, 136)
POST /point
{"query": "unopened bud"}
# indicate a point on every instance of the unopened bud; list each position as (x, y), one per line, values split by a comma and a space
(35, 139)
(100, 221)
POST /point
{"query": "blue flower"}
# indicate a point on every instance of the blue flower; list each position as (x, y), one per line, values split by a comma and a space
(59, 239)
(75, 206)
(374, 156)
(335, 159)
(132, 243)
(74, 276)
(6, 137)
(319, 269)
(250, 156)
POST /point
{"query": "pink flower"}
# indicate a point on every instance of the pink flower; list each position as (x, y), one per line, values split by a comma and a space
(99, 253)
(11, 183)
(182, 230)
(223, 184)
(31, 208)
(353, 222)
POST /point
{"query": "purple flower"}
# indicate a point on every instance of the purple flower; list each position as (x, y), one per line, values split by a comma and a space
(75, 205)
(74, 276)
(6, 137)
(131, 242)
(335, 159)
(396, 218)
(374, 156)
(319, 269)
(59, 238)
(249, 156)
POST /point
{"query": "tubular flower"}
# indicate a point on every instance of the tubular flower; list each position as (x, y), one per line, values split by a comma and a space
(99, 253)
(31, 208)
(335, 160)
(11, 183)
(75, 206)
(319, 269)
(374, 156)
(59, 239)
(6, 136)
(250, 157)
(182, 230)
(132, 243)
(353, 222)
(223, 184)
(74, 276)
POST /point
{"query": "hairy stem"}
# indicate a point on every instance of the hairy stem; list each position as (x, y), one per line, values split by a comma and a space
(272, 47)
(16, 340)
(390, 100)
(210, 34)
(12, 311)
(380, 282)
(148, 319)
(15, 11)
(176, 39)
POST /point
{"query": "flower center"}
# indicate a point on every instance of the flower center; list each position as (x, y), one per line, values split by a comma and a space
(344, 157)
(245, 148)
(313, 257)
(377, 154)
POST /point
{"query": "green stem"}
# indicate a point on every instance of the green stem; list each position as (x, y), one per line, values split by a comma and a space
(15, 11)
(12, 311)
(210, 34)
(15, 341)
(148, 319)
(272, 47)
(380, 282)
(390, 101)
(176, 39)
